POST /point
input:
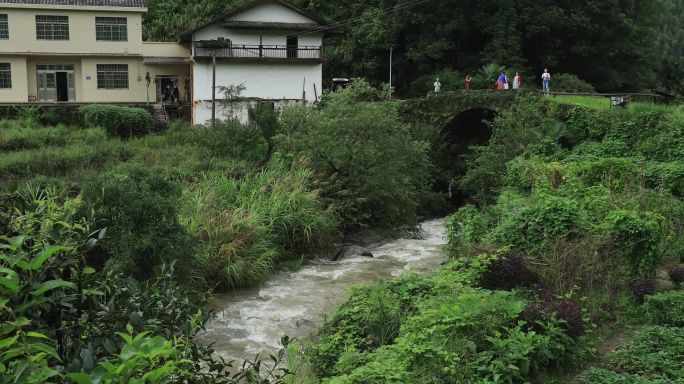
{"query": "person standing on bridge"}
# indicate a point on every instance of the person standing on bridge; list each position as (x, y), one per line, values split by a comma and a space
(517, 80)
(467, 82)
(438, 85)
(501, 81)
(546, 77)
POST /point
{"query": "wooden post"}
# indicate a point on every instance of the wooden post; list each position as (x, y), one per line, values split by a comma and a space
(315, 93)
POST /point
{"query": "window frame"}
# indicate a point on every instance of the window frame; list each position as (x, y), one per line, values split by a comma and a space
(111, 28)
(5, 75)
(4, 26)
(112, 76)
(52, 27)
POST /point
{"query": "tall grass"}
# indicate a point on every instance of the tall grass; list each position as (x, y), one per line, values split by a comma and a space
(603, 103)
(58, 161)
(18, 135)
(598, 103)
(247, 225)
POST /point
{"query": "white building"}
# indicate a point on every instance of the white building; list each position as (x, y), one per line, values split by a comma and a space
(272, 48)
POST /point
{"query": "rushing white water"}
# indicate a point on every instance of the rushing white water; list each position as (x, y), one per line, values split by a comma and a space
(253, 320)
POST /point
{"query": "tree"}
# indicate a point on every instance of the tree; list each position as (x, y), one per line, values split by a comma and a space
(368, 165)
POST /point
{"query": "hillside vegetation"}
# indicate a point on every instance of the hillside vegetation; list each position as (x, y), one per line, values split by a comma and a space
(613, 45)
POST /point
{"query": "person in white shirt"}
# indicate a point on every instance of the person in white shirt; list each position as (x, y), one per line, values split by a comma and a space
(546, 77)
(438, 85)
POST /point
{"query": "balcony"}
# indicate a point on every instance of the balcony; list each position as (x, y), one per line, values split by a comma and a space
(227, 51)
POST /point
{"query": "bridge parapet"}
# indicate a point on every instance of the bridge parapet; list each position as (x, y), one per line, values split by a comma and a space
(439, 108)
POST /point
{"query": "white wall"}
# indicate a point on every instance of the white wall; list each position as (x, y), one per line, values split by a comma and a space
(272, 12)
(237, 111)
(264, 80)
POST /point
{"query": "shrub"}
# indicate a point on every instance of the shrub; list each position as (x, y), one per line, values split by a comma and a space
(118, 121)
(139, 207)
(638, 237)
(571, 83)
(505, 271)
(676, 275)
(642, 288)
(533, 226)
(666, 308)
(561, 308)
(465, 227)
(231, 139)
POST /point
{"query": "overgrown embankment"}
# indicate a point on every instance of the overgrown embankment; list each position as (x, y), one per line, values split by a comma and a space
(570, 219)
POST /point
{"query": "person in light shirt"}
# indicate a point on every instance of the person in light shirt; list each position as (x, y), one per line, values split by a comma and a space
(546, 77)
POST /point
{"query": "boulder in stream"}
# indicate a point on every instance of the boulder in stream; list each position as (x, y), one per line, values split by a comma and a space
(352, 250)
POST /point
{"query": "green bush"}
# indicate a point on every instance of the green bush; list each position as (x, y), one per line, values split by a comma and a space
(465, 227)
(666, 308)
(531, 228)
(139, 208)
(232, 139)
(123, 122)
(570, 83)
(638, 237)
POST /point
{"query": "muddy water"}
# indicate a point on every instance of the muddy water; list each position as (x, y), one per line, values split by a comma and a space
(252, 321)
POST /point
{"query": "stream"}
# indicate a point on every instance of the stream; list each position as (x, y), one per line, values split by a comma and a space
(252, 321)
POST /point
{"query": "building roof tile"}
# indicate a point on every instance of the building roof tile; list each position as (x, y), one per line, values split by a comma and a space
(82, 3)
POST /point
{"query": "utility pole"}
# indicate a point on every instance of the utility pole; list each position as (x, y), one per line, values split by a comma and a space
(390, 78)
(213, 46)
(213, 89)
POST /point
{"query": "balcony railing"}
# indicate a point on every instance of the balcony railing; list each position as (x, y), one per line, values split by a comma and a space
(259, 52)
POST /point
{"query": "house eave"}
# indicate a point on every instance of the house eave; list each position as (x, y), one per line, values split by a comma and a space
(187, 36)
(80, 54)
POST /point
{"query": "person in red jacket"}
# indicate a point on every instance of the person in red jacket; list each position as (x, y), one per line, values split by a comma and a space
(467, 82)
(517, 80)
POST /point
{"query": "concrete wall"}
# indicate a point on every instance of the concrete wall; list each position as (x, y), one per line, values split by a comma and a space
(20, 86)
(159, 49)
(22, 30)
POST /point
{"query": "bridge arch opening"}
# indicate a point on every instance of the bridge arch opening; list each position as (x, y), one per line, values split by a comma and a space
(468, 128)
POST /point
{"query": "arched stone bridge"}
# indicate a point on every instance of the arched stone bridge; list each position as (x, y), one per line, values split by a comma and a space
(462, 119)
(439, 108)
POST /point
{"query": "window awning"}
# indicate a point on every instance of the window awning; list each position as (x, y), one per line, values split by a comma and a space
(166, 60)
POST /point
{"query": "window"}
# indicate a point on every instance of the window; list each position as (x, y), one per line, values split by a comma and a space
(52, 27)
(111, 29)
(112, 76)
(5, 76)
(4, 27)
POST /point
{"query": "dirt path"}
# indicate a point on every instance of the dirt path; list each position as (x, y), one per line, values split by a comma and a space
(604, 349)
